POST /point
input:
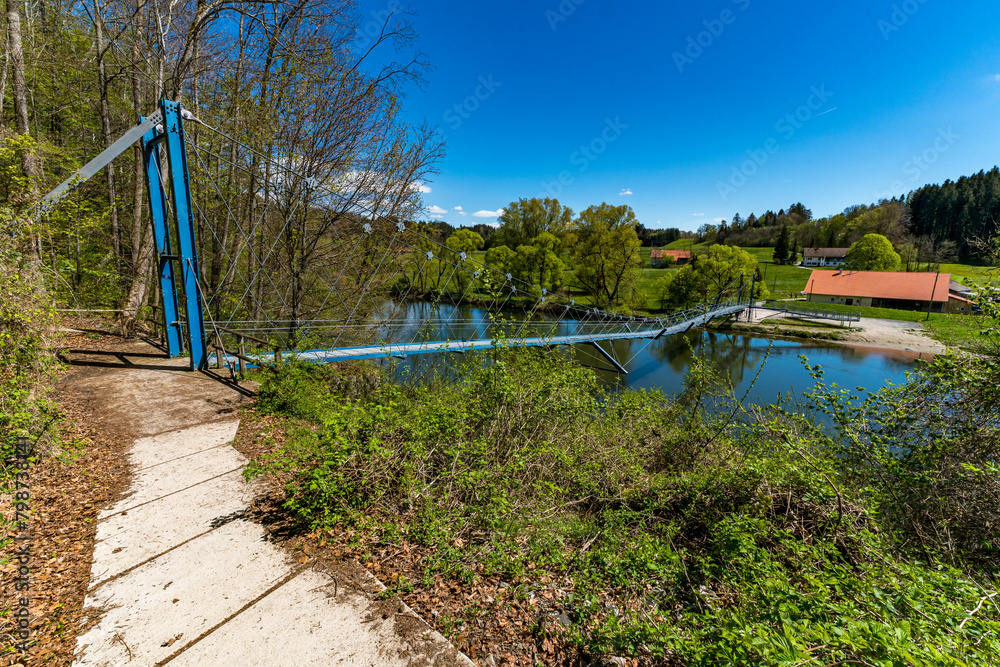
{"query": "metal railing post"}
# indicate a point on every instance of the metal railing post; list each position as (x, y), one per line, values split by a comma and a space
(243, 353)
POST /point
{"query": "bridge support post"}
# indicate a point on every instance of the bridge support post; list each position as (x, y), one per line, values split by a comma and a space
(173, 128)
(161, 235)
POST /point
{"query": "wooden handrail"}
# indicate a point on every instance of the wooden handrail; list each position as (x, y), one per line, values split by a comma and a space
(247, 336)
(241, 357)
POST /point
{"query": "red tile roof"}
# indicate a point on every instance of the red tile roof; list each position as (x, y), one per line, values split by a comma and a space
(660, 253)
(825, 252)
(880, 285)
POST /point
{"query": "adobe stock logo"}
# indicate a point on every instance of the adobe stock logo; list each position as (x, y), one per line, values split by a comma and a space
(462, 111)
(566, 9)
(586, 155)
(786, 127)
(698, 44)
(901, 14)
(374, 28)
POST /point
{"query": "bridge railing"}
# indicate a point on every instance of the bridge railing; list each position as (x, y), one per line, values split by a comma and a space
(811, 313)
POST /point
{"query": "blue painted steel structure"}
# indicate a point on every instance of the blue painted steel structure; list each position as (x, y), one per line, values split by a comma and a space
(161, 234)
(173, 128)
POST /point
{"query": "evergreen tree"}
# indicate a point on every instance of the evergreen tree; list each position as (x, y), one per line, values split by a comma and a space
(781, 248)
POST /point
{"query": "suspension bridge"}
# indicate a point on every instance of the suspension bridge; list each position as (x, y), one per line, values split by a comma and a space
(285, 266)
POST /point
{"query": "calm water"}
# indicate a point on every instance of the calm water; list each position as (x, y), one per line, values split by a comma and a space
(662, 364)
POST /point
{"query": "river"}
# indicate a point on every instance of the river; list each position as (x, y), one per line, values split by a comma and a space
(662, 364)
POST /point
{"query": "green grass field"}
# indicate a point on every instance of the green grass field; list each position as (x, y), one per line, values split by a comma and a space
(782, 281)
(970, 274)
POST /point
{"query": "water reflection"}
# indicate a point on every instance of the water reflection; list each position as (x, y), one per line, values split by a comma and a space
(661, 364)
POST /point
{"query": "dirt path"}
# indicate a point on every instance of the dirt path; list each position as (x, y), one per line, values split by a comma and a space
(183, 573)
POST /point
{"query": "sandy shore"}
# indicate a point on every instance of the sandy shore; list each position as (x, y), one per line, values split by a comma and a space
(893, 335)
(875, 333)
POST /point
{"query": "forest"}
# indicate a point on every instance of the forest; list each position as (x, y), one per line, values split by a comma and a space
(933, 224)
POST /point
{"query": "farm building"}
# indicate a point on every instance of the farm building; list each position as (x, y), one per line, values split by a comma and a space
(659, 256)
(879, 289)
(824, 256)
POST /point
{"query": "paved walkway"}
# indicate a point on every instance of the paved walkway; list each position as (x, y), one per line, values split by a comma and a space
(180, 577)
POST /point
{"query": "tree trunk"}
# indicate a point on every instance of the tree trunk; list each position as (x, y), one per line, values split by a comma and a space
(139, 169)
(21, 120)
(3, 75)
(102, 84)
(140, 285)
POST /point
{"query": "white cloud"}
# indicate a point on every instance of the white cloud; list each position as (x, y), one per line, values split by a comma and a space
(422, 187)
(699, 215)
(488, 214)
(458, 208)
(436, 210)
(462, 213)
(626, 192)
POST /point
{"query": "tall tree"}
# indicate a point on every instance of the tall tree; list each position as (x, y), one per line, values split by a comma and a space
(781, 247)
(21, 120)
(873, 253)
(525, 219)
(607, 253)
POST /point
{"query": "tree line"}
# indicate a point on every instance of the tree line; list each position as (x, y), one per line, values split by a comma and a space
(932, 225)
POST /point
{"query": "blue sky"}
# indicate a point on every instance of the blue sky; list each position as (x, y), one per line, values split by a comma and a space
(691, 112)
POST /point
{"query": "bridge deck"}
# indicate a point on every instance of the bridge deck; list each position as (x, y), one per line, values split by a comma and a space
(393, 350)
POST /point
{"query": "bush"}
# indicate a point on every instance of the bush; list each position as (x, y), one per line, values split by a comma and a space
(26, 328)
(689, 538)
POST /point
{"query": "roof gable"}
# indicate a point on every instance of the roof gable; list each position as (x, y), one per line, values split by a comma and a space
(660, 253)
(825, 252)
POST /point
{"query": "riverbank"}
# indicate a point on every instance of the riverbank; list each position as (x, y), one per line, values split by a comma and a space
(869, 332)
(550, 523)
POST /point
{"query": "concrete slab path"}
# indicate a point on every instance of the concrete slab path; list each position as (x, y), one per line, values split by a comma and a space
(181, 577)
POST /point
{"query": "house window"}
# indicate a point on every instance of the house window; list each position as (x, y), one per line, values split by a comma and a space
(850, 302)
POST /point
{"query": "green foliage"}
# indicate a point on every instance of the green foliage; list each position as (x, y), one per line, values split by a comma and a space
(781, 248)
(536, 263)
(606, 255)
(464, 240)
(958, 211)
(706, 275)
(14, 188)
(926, 454)
(522, 221)
(874, 252)
(26, 322)
(688, 539)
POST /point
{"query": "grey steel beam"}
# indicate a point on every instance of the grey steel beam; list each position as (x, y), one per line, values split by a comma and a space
(84, 173)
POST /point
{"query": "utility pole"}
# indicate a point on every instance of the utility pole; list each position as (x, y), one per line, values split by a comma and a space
(930, 303)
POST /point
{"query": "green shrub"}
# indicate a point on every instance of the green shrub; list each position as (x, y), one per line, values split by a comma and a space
(27, 321)
(690, 537)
